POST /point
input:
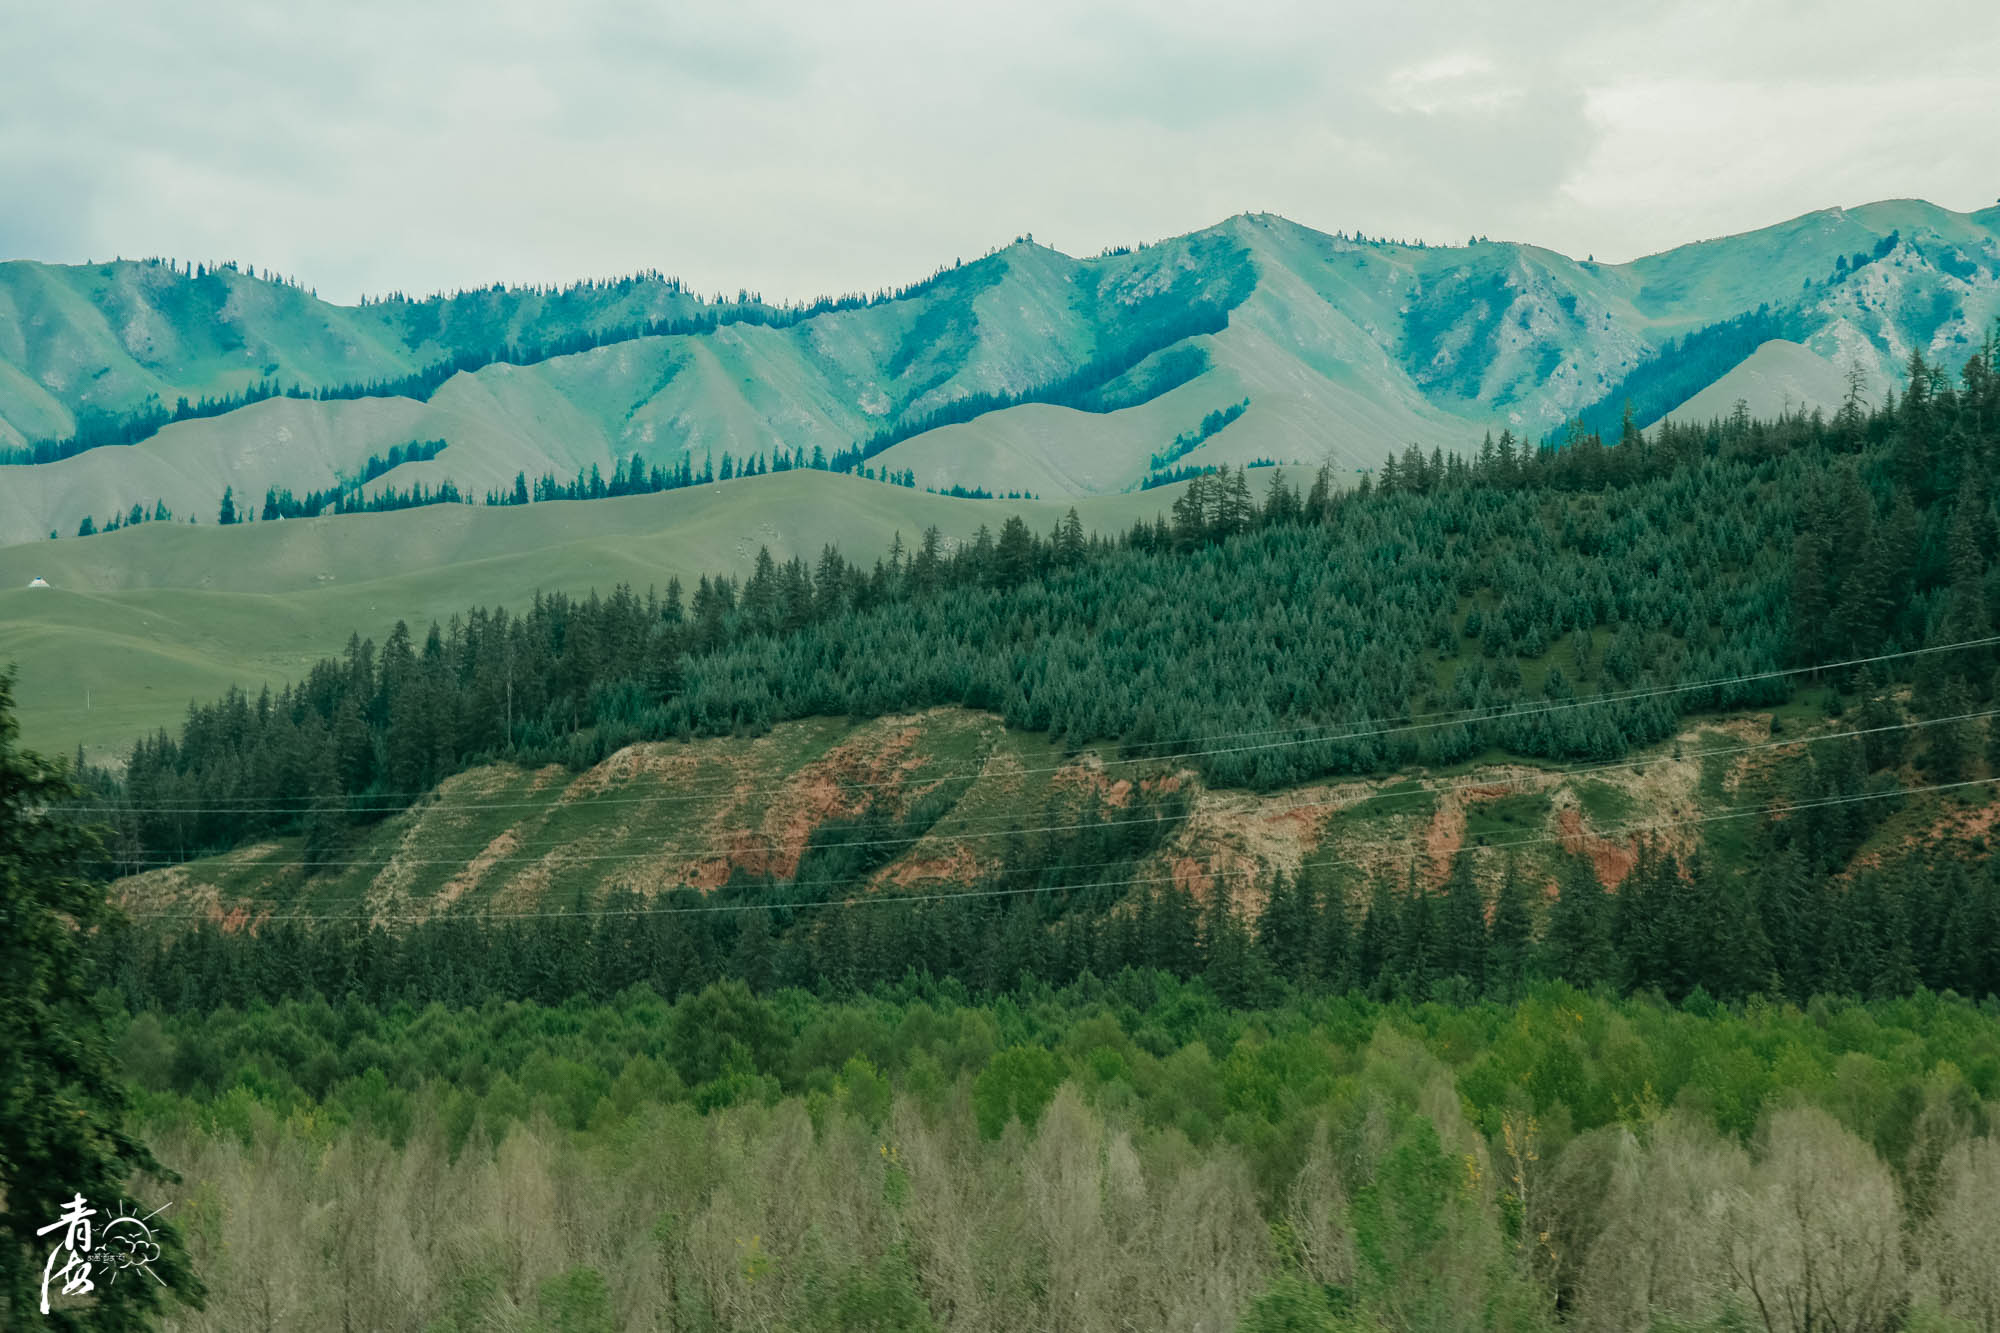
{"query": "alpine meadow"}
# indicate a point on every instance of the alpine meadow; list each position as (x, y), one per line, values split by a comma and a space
(1270, 779)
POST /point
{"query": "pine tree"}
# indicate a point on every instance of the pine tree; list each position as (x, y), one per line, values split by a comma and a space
(1414, 967)
(1578, 946)
(1375, 942)
(1512, 936)
(1285, 930)
(1170, 937)
(1228, 961)
(1333, 937)
(1948, 756)
(1069, 542)
(755, 952)
(62, 1107)
(1462, 925)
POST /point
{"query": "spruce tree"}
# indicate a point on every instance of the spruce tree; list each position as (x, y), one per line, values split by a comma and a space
(1512, 935)
(1375, 942)
(62, 1106)
(1333, 937)
(1285, 930)
(1229, 963)
(1948, 756)
(1462, 925)
(1578, 945)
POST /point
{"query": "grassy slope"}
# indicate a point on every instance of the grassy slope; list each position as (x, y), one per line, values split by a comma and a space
(1779, 376)
(147, 618)
(1343, 347)
(658, 816)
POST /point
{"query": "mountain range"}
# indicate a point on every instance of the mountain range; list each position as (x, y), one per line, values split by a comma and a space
(159, 384)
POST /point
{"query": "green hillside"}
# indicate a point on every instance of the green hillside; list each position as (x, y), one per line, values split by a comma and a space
(1023, 369)
(946, 799)
(1532, 888)
(1778, 377)
(139, 622)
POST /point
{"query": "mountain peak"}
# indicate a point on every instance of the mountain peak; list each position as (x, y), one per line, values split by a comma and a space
(1027, 370)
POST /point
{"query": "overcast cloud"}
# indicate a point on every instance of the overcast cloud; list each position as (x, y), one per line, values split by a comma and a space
(801, 148)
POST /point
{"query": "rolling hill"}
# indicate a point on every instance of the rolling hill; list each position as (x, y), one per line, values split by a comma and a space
(137, 623)
(1023, 371)
(1026, 369)
(943, 800)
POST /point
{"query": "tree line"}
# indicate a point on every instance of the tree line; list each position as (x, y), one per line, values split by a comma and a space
(1550, 602)
(1694, 928)
(1090, 385)
(131, 518)
(1103, 1155)
(633, 476)
(96, 428)
(1188, 441)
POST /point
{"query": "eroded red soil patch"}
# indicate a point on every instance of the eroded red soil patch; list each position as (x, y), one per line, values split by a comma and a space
(1610, 861)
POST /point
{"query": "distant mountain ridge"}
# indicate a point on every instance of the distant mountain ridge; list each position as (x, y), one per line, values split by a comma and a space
(1026, 370)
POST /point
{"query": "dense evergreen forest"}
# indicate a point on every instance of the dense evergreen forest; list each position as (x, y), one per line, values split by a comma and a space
(1754, 1091)
(1448, 607)
(1062, 909)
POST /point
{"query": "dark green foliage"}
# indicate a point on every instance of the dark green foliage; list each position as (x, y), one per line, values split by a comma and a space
(1188, 441)
(1056, 912)
(1737, 548)
(346, 498)
(1683, 366)
(1198, 302)
(62, 1105)
(1578, 943)
(1016, 1085)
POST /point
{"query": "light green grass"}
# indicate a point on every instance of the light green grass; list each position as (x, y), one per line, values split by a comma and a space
(142, 621)
(1326, 347)
(1509, 819)
(1607, 806)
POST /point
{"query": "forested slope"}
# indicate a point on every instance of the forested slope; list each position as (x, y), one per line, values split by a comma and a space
(140, 622)
(1752, 665)
(1636, 969)
(1446, 608)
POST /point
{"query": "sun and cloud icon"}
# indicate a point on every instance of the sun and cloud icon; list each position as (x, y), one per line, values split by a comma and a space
(126, 1242)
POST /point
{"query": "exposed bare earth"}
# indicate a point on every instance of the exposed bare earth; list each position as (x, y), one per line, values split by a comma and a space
(659, 817)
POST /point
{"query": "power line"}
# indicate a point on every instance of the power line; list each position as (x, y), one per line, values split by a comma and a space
(1442, 719)
(767, 843)
(1213, 873)
(1209, 873)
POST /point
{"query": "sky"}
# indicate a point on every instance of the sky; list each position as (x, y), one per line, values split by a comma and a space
(798, 149)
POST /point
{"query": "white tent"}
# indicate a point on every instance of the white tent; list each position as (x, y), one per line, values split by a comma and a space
(38, 582)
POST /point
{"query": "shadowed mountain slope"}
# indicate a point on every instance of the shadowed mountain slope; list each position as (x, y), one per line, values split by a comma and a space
(1026, 369)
